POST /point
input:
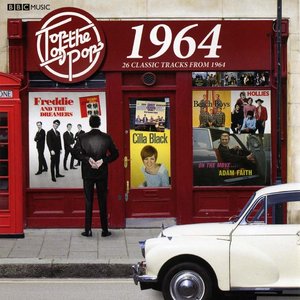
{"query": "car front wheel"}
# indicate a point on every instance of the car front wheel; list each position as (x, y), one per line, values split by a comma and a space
(187, 281)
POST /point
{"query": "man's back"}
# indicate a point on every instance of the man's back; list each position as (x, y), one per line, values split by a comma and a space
(97, 145)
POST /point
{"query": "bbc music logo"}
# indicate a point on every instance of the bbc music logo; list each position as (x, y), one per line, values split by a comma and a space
(27, 7)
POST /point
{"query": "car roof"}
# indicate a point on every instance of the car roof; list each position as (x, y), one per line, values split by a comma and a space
(285, 187)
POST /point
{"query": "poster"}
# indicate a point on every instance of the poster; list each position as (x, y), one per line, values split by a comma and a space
(72, 109)
(231, 137)
(150, 140)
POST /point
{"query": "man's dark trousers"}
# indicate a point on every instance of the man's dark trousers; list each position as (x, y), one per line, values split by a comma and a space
(101, 188)
(55, 159)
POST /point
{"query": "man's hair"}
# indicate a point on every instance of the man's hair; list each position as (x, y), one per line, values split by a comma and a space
(39, 122)
(94, 121)
(225, 134)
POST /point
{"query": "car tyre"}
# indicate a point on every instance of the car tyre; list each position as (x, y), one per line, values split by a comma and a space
(187, 281)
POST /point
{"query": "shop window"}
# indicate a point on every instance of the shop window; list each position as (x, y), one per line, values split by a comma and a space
(39, 80)
(231, 128)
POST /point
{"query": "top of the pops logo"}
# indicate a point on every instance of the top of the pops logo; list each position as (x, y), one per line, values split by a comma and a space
(70, 45)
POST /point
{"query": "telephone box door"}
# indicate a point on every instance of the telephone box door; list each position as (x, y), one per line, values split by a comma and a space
(11, 192)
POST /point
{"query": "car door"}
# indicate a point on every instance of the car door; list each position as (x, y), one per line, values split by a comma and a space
(265, 254)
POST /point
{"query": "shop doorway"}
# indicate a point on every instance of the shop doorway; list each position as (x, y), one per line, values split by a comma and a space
(148, 156)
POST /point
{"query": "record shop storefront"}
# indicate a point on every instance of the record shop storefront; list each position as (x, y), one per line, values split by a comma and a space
(176, 93)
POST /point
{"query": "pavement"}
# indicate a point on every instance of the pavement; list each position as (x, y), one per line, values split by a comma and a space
(65, 253)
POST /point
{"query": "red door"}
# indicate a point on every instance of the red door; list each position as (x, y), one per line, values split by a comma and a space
(148, 155)
(11, 189)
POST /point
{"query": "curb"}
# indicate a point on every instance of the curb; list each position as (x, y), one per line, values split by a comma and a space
(66, 270)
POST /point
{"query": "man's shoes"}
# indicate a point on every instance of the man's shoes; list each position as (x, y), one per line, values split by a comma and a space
(77, 165)
(45, 170)
(53, 179)
(105, 233)
(59, 175)
(87, 233)
(66, 169)
(38, 173)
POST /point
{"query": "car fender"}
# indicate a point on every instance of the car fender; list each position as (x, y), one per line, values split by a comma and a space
(213, 250)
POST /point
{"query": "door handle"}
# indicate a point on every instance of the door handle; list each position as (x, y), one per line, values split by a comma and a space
(126, 160)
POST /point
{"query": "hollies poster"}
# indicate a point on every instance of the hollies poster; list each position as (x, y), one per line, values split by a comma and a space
(72, 111)
(150, 143)
(231, 137)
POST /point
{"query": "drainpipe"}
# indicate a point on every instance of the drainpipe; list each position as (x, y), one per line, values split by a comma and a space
(279, 208)
(279, 91)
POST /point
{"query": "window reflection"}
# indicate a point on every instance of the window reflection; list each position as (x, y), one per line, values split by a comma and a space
(3, 202)
(4, 185)
(3, 151)
(3, 119)
(3, 168)
(3, 135)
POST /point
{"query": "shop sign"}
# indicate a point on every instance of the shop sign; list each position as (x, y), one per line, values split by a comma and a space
(70, 45)
(6, 94)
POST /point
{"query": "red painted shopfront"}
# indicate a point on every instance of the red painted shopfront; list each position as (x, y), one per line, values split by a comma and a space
(171, 85)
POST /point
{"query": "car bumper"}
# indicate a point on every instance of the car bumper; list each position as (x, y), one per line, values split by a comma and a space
(140, 276)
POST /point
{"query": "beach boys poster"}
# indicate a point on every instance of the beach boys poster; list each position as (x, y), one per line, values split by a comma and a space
(72, 110)
(150, 143)
(231, 137)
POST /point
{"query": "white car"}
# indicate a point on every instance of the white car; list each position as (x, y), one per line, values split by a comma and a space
(257, 251)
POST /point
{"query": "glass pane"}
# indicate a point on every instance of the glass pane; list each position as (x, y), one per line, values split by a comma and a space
(3, 202)
(3, 168)
(3, 151)
(3, 135)
(4, 185)
(258, 213)
(3, 119)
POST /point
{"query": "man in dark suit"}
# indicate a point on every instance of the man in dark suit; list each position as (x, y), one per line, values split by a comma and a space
(77, 135)
(40, 138)
(54, 145)
(69, 141)
(96, 150)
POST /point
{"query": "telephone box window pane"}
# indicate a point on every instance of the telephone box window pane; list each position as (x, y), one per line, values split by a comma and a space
(3, 168)
(3, 119)
(3, 135)
(3, 151)
(4, 185)
(3, 202)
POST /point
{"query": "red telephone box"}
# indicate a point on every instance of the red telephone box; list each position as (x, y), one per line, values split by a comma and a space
(11, 191)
